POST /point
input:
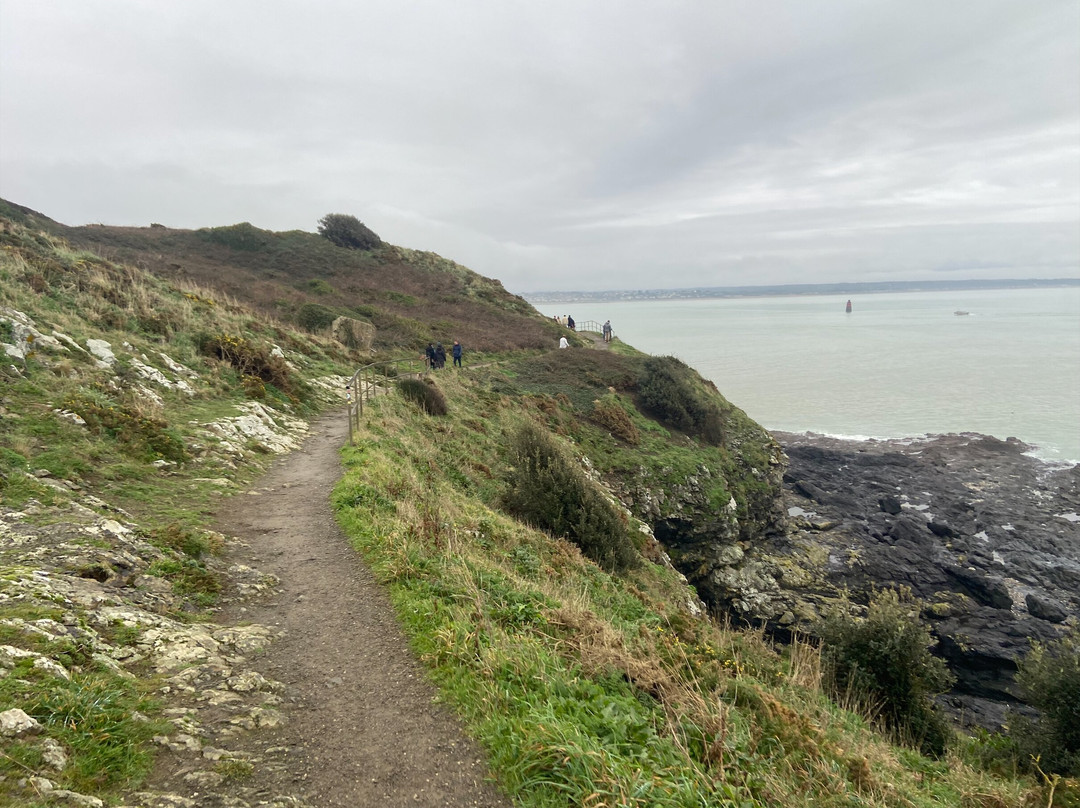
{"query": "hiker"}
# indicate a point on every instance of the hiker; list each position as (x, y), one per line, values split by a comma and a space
(440, 356)
(430, 353)
(607, 331)
(456, 351)
(570, 323)
(563, 343)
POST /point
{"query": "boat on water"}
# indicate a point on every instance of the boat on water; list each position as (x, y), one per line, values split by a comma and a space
(960, 313)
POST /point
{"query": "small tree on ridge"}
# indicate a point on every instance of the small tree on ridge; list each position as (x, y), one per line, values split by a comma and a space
(348, 231)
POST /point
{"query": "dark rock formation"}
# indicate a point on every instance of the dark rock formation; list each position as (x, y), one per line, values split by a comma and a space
(985, 535)
(707, 519)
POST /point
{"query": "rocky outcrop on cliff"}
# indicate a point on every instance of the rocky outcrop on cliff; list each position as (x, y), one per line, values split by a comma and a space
(985, 535)
(707, 521)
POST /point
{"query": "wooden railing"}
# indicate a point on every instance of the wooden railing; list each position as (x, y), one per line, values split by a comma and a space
(374, 380)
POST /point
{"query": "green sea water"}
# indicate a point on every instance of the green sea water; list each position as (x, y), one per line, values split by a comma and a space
(900, 364)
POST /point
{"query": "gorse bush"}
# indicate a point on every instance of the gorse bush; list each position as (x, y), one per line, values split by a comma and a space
(425, 394)
(243, 236)
(348, 231)
(250, 359)
(315, 317)
(667, 390)
(610, 414)
(884, 662)
(546, 489)
(1049, 677)
(146, 435)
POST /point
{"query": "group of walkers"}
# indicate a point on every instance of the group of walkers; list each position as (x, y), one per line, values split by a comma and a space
(568, 321)
(435, 355)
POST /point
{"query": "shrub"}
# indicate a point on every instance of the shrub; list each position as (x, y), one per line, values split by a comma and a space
(146, 435)
(884, 661)
(1049, 678)
(348, 231)
(610, 414)
(315, 317)
(425, 394)
(668, 391)
(244, 236)
(547, 489)
(249, 360)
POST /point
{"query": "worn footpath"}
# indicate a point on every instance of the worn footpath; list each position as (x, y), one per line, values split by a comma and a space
(362, 726)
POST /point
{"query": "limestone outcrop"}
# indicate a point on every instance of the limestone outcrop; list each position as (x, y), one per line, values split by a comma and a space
(353, 333)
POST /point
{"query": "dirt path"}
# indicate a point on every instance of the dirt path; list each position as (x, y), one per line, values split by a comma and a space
(597, 340)
(362, 729)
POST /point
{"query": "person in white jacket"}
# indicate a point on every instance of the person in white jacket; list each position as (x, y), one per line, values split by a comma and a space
(563, 343)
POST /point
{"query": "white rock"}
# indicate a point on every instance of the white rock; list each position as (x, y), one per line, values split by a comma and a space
(64, 338)
(102, 350)
(74, 798)
(10, 655)
(157, 377)
(71, 416)
(53, 754)
(43, 663)
(26, 337)
(15, 722)
(176, 367)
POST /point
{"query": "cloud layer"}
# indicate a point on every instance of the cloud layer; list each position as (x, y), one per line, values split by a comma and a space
(567, 145)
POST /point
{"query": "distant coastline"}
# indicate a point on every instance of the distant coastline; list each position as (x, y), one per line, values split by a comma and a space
(705, 292)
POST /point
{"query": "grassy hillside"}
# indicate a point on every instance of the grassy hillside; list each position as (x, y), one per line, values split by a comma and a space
(411, 297)
(576, 653)
(590, 687)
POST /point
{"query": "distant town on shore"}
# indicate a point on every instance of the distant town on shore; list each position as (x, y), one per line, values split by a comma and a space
(795, 289)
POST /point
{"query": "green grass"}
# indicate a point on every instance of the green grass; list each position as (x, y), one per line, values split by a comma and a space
(590, 688)
(103, 721)
(586, 688)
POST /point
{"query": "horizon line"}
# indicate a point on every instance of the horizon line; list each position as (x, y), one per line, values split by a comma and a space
(803, 288)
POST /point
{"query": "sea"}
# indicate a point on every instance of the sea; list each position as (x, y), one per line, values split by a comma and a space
(905, 364)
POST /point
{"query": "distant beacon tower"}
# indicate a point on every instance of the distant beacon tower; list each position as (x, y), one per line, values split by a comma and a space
(848, 309)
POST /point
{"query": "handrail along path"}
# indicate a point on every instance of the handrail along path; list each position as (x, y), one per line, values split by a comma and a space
(374, 380)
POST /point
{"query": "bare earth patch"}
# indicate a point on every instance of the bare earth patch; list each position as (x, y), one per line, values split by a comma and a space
(361, 723)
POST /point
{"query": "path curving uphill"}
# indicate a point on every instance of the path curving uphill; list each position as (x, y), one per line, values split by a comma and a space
(362, 727)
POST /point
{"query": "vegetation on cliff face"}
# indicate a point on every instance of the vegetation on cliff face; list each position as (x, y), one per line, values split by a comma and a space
(591, 687)
(587, 686)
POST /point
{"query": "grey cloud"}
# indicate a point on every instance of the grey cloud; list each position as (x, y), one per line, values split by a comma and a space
(568, 145)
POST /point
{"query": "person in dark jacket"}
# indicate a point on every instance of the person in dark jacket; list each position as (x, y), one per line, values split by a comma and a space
(456, 350)
(440, 356)
(570, 323)
(430, 353)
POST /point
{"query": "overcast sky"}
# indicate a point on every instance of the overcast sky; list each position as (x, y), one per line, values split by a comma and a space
(565, 144)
